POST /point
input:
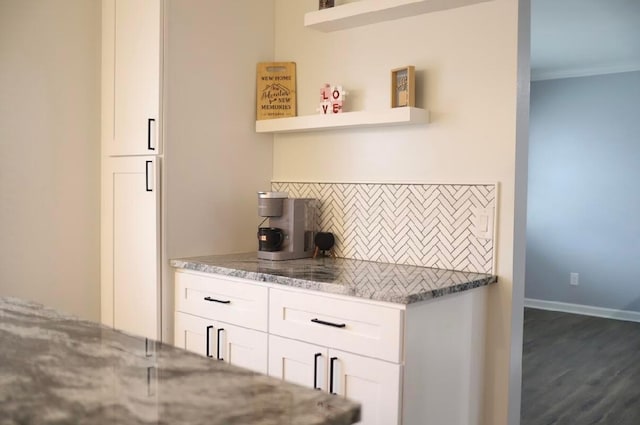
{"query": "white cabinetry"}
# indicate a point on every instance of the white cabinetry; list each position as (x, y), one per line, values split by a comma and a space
(373, 383)
(130, 286)
(222, 341)
(230, 300)
(130, 281)
(416, 364)
(354, 326)
(298, 362)
(224, 319)
(359, 346)
(136, 27)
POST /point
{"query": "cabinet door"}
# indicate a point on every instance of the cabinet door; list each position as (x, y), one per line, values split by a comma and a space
(242, 347)
(193, 333)
(131, 68)
(298, 362)
(130, 284)
(373, 383)
(221, 341)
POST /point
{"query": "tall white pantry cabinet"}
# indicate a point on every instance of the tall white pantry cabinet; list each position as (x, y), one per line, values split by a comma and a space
(175, 168)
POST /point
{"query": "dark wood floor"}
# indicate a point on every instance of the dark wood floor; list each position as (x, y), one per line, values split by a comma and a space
(580, 370)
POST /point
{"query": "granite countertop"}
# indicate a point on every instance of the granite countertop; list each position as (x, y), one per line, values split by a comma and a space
(56, 369)
(394, 283)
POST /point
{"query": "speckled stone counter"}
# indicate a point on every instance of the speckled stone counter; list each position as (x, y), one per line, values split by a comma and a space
(55, 369)
(394, 283)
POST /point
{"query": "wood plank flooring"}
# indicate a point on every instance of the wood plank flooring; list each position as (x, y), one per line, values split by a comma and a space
(579, 370)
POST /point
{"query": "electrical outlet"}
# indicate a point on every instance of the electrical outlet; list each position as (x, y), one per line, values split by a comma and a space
(574, 279)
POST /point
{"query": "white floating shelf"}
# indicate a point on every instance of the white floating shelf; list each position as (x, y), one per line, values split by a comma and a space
(388, 117)
(365, 12)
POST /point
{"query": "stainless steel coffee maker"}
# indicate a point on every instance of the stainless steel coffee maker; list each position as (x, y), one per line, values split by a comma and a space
(291, 229)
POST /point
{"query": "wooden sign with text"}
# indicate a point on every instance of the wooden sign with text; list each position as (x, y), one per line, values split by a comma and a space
(276, 90)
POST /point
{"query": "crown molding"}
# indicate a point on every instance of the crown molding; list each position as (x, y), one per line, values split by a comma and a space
(584, 72)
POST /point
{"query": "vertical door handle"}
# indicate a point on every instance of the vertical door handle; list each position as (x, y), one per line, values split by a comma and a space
(149, 347)
(331, 362)
(151, 134)
(315, 370)
(148, 175)
(208, 346)
(218, 348)
(152, 380)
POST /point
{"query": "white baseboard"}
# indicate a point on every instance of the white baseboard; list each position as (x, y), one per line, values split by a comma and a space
(587, 310)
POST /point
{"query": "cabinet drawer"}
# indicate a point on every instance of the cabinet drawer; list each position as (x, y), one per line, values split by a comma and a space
(229, 300)
(357, 327)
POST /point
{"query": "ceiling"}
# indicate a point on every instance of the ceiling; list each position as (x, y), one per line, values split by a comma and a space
(571, 38)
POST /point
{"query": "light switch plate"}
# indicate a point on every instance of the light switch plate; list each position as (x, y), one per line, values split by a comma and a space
(483, 223)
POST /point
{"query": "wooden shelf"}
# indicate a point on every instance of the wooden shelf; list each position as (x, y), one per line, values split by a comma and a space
(388, 117)
(365, 12)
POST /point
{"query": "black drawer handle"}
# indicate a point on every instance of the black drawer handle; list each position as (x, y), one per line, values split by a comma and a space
(333, 359)
(335, 325)
(208, 348)
(218, 349)
(315, 370)
(217, 301)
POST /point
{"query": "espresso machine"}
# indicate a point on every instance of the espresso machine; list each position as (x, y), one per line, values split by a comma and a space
(291, 229)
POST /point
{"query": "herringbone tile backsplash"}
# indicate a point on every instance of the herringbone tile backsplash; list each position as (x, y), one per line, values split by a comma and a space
(418, 224)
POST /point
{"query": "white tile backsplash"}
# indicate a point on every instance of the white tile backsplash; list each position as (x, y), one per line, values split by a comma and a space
(428, 225)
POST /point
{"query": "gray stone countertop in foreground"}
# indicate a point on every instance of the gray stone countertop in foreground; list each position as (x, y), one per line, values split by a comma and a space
(395, 283)
(56, 369)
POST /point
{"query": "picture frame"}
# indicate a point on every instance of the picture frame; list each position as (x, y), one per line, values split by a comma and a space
(403, 90)
(325, 4)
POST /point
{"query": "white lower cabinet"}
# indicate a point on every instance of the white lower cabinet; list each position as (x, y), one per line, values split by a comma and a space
(420, 364)
(298, 362)
(238, 346)
(374, 383)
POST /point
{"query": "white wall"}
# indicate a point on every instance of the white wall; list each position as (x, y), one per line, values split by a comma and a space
(214, 161)
(49, 153)
(466, 63)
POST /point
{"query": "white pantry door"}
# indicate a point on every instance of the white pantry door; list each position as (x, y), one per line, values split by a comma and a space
(132, 196)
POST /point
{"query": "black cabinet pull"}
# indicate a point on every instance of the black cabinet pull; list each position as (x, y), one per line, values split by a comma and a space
(152, 378)
(315, 370)
(335, 325)
(149, 347)
(218, 348)
(149, 123)
(208, 349)
(217, 301)
(333, 359)
(146, 176)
